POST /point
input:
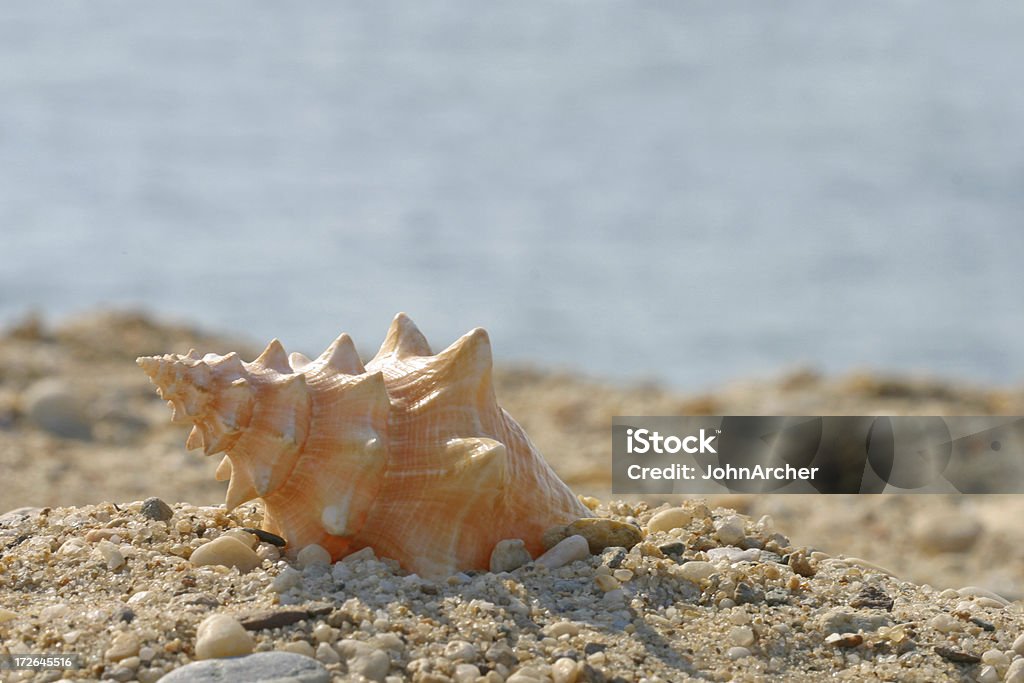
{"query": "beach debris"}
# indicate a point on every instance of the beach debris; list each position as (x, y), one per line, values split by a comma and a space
(410, 454)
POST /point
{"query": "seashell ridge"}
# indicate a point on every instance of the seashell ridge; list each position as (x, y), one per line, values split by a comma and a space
(410, 454)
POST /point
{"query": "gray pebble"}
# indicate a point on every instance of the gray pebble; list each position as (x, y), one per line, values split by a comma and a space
(508, 555)
(52, 406)
(156, 509)
(263, 667)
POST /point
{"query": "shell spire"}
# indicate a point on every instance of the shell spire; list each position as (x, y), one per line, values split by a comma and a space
(410, 454)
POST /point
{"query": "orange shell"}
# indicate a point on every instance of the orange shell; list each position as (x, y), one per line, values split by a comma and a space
(410, 455)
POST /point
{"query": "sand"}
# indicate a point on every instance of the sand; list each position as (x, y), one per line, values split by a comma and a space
(83, 435)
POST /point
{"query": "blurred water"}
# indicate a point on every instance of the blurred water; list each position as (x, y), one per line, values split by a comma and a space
(683, 191)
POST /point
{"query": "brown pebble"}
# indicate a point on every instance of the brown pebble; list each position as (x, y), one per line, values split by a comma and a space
(605, 533)
(257, 621)
(872, 597)
(956, 655)
(156, 509)
(552, 537)
(801, 564)
(844, 639)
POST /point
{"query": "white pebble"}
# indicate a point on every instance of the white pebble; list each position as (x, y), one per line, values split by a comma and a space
(996, 658)
(225, 551)
(313, 554)
(695, 571)
(1015, 674)
(300, 647)
(733, 554)
(7, 615)
(123, 646)
(943, 623)
(220, 635)
(730, 530)
(111, 555)
(561, 628)
(988, 674)
(742, 635)
(564, 670)
(466, 673)
(1018, 645)
(508, 555)
(737, 653)
(327, 654)
(460, 649)
(324, 633)
(566, 551)
(288, 578)
(373, 665)
(666, 520)
(978, 592)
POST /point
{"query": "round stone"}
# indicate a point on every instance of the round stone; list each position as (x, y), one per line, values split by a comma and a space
(226, 551)
(605, 533)
(258, 668)
(508, 555)
(666, 520)
(220, 635)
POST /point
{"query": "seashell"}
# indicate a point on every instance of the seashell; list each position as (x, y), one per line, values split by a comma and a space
(410, 455)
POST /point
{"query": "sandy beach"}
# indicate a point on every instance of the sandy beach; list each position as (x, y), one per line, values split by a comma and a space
(799, 588)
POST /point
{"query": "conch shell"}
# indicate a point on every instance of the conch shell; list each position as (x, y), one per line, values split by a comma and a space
(410, 455)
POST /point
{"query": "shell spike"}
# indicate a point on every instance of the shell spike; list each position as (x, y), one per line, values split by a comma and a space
(298, 361)
(342, 356)
(195, 439)
(274, 357)
(404, 339)
(224, 469)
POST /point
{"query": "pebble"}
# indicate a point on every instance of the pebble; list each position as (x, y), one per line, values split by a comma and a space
(844, 639)
(111, 555)
(988, 674)
(258, 668)
(1015, 674)
(7, 615)
(51, 405)
(666, 520)
(508, 555)
(562, 628)
(460, 649)
(327, 654)
(606, 582)
(312, 555)
(742, 635)
(1018, 645)
(157, 510)
(605, 533)
(225, 551)
(373, 665)
(220, 635)
(465, 673)
(735, 653)
(732, 554)
(257, 621)
(564, 670)
(730, 530)
(695, 571)
(841, 621)
(123, 646)
(300, 647)
(978, 592)
(565, 552)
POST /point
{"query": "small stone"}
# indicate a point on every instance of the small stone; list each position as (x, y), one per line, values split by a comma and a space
(123, 646)
(695, 571)
(564, 670)
(157, 510)
(551, 536)
(325, 634)
(996, 658)
(747, 594)
(613, 557)
(588, 674)
(51, 405)
(872, 597)
(225, 551)
(460, 650)
(943, 623)
(257, 621)
(508, 555)
(732, 554)
(844, 639)
(1015, 674)
(675, 549)
(311, 555)
(257, 668)
(1018, 645)
(957, 656)
(465, 673)
(565, 552)
(605, 533)
(800, 563)
(220, 635)
(735, 653)
(978, 593)
(606, 582)
(988, 674)
(562, 628)
(842, 621)
(742, 635)
(373, 665)
(288, 578)
(730, 530)
(327, 654)
(666, 520)
(623, 575)
(111, 555)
